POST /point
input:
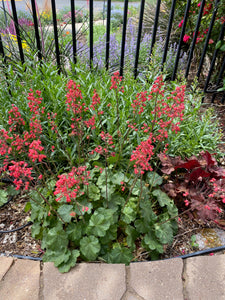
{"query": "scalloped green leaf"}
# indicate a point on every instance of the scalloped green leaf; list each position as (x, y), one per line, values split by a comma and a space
(162, 197)
(3, 197)
(94, 192)
(119, 255)
(90, 247)
(64, 212)
(154, 179)
(71, 262)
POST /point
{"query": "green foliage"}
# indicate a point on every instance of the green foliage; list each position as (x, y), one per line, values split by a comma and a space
(113, 210)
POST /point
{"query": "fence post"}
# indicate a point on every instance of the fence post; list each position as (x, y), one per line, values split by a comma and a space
(139, 37)
(107, 45)
(181, 39)
(123, 36)
(34, 12)
(73, 19)
(207, 39)
(168, 32)
(194, 38)
(221, 35)
(155, 27)
(56, 35)
(15, 20)
(91, 20)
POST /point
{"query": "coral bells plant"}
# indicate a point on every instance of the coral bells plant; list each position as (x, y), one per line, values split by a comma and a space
(91, 170)
(198, 184)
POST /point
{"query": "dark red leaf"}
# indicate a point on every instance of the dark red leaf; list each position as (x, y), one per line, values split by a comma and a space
(189, 165)
(199, 172)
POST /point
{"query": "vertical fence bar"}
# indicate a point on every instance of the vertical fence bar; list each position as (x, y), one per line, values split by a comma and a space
(15, 19)
(36, 29)
(123, 36)
(207, 39)
(56, 35)
(107, 45)
(221, 35)
(181, 39)
(168, 32)
(2, 50)
(155, 27)
(4, 62)
(73, 19)
(194, 38)
(139, 37)
(4, 10)
(91, 21)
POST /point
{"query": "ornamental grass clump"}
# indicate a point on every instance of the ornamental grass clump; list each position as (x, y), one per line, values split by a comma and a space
(90, 169)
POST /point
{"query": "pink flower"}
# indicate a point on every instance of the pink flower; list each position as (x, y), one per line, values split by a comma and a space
(186, 38)
(181, 23)
(211, 41)
(199, 4)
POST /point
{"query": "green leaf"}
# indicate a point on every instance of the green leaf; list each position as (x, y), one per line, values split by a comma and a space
(137, 187)
(119, 255)
(118, 177)
(110, 236)
(59, 257)
(129, 212)
(71, 262)
(164, 232)
(146, 211)
(131, 236)
(154, 179)
(94, 192)
(116, 200)
(90, 247)
(218, 44)
(223, 48)
(141, 226)
(55, 238)
(113, 159)
(27, 207)
(162, 197)
(35, 229)
(64, 212)
(11, 190)
(100, 221)
(3, 197)
(151, 243)
(74, 231)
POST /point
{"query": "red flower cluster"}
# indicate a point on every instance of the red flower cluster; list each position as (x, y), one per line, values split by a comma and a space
(167, 114)
(68, 187)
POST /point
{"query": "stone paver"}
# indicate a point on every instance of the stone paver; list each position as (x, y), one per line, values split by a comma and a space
(5, 264)
(157, 280)
(205, 278)
(85, 282)
(21, 282)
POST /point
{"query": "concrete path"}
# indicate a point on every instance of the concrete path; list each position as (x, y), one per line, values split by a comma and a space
(197, 278)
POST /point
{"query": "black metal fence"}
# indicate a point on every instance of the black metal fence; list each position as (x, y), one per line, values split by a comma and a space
(207, 87)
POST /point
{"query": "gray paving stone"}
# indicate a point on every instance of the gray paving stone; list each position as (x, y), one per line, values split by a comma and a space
(157, 280)
(85, 282)
(205, 278)
(5, 264)
(131, 296)
(21, 282)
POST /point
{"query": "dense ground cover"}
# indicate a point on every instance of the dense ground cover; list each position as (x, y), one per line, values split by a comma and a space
(88, 153)
(107, 165)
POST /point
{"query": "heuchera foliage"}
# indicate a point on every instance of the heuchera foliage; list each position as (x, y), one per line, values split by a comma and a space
(197, 183)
